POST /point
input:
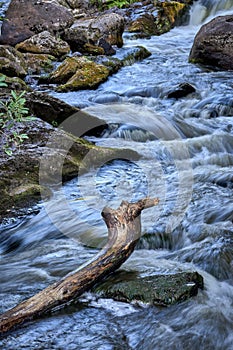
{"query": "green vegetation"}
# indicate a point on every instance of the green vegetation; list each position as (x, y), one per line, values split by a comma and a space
(107, 4)
(118, 3)
(13, 112)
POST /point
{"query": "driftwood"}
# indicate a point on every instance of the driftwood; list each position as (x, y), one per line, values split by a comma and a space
(124, 230)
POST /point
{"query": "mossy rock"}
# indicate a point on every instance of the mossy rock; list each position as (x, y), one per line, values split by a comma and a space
(135, 54)
(39, 63)
(13, 83)
(159, 290)
(12, 62)
(144, 26)
(86, 75)
(170, 14)
(48, 157)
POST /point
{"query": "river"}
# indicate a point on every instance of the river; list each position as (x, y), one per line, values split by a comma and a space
(186, 148)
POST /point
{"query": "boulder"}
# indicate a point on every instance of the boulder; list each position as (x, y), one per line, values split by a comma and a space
(44, 43)
(12, 62)
(213, 44)
(77, 73)
(25, 18)
(108, 26)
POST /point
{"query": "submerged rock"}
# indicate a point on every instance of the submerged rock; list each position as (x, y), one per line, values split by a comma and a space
(213, 44)
(160, 290)
(135, 54)
(181, 90)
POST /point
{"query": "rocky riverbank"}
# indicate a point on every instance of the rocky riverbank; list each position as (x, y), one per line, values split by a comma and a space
(63, 45)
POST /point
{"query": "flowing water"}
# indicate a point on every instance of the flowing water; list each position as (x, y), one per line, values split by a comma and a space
(186, 149)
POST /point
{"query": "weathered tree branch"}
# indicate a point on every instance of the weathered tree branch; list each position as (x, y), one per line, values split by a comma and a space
(124, 230)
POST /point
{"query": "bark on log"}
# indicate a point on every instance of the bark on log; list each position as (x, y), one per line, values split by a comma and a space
(124, 230)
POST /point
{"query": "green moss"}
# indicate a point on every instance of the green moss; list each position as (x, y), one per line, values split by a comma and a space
(162, 290)
(89, 76)
(169, 13)
(144, 25)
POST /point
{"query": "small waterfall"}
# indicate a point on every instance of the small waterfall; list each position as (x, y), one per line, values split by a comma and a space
(203, 9)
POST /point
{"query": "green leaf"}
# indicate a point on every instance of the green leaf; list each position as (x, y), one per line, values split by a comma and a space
(2, 81)
(23, 136)
(29, 118)
(14, 95)
(8, 151)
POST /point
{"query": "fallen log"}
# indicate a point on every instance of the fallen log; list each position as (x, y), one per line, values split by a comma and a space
(124, 231)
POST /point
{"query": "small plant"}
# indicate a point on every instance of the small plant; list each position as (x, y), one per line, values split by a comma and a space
(2, 81)
(13, 112)
(118, 3)
(108, 4)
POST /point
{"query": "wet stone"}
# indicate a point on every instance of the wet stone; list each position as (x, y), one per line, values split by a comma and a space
(159, 290)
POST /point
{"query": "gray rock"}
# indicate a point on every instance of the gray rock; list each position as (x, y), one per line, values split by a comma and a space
(12, 62)
(45, 43)
(213, 44)
(109, 27)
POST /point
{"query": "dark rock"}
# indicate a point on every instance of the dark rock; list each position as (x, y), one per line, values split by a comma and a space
(48, 108)
(181, 90)
(26, 18)
(108, 49)
(161, 290)
(213, 44)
